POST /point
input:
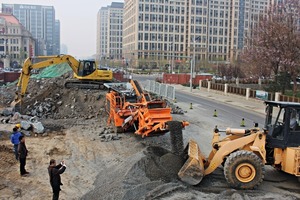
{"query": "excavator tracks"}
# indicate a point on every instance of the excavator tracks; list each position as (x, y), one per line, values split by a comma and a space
(93, 85)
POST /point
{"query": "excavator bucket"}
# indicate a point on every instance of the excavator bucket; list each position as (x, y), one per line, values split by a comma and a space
(192, 171)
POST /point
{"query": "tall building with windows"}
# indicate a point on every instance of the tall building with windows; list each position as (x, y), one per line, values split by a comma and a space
(102, 34)
(56, 39)
(40, 21)
(110, 31)
(16, 43)
(175, 29)
(63, 49)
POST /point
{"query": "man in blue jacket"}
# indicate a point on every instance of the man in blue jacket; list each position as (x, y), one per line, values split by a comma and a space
(14, 138)
(54, 174)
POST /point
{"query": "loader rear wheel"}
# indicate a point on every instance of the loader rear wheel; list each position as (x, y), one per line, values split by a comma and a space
(175, 128)
(244, 170)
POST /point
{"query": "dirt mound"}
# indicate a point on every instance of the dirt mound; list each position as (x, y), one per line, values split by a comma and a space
(48, 98)
(7, 158)
(160, 164)
(6, 95)
(147, 174)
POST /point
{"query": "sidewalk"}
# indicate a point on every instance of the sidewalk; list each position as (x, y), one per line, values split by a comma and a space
(255, 105)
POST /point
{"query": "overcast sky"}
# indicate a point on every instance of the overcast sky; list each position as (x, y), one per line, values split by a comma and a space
(78, 22)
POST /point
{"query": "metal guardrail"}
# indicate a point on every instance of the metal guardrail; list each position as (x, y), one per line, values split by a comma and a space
(163, 90)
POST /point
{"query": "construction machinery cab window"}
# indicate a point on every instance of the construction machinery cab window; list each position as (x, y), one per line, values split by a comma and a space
(86, 68)
(283, 124)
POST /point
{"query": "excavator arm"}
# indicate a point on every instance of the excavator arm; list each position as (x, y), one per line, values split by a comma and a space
(49, 60)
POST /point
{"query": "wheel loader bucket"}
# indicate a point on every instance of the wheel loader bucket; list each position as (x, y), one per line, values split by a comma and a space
(192, 171)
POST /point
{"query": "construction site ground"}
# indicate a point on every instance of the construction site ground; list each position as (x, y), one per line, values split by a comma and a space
(103, 165)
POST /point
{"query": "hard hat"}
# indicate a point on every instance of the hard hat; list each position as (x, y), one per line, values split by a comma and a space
(18, 125)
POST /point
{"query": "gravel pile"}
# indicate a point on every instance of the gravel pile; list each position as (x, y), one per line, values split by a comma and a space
(145, 175)
(48, 98)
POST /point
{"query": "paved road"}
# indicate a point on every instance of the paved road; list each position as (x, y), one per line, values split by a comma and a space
(229, 112)
(230, 109)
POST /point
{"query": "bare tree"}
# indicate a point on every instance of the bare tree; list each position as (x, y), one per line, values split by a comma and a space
(274, 46)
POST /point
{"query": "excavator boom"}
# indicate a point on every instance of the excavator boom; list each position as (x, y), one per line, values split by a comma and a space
(86, 74)
(49, 60)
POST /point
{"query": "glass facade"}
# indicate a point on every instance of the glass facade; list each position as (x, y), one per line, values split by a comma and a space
(110, 31)
(40, 21)
(168, 28)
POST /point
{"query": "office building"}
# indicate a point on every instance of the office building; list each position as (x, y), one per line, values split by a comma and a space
(39, 21)
(165, 30)
(101, 41)
(56, 39)
(110, 32)
(63, 49)
(16, 43)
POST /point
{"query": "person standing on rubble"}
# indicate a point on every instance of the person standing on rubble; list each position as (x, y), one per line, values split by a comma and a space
(22, 155)
(54, 174)
(14, 138)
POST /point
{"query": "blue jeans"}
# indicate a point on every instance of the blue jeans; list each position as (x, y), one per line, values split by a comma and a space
(16, 151)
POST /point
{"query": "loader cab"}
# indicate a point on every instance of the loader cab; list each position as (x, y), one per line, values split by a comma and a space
(282, 124)
(86, 67)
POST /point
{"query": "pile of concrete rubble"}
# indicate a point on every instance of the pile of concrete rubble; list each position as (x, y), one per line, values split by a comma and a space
(108, 134)
(29, 124)
(174, 108)
(45, 108)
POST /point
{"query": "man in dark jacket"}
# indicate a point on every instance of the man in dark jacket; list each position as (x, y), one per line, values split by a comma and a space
(54, 174)
(22, 150)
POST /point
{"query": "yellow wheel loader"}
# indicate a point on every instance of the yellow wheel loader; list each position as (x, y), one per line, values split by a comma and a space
(245, 152)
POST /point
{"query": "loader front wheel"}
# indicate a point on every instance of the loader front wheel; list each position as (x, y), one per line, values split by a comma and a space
(244, 170)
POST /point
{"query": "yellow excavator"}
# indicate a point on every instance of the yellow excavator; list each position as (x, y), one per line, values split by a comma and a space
(86, 75)
(244, 152)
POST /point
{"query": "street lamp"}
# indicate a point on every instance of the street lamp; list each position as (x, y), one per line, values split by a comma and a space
(171, 60)
(173, 57)
(194, 62)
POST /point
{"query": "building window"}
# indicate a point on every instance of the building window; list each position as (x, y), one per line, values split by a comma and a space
(141, 7)
(146, 46)
(141, 36)
(147, 7)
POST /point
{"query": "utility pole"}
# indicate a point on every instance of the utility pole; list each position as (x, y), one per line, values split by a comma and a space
(173, 57)
(193, 64)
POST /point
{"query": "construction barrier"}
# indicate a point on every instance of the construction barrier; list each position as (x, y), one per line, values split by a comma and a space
(163, 90)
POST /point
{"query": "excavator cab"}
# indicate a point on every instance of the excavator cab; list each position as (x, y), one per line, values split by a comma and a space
(86, 67)
(282, 124)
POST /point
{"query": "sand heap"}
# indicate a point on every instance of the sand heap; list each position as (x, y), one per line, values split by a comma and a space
(147, 175)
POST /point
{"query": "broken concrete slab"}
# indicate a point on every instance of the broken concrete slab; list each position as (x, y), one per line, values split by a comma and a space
(6, 112)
